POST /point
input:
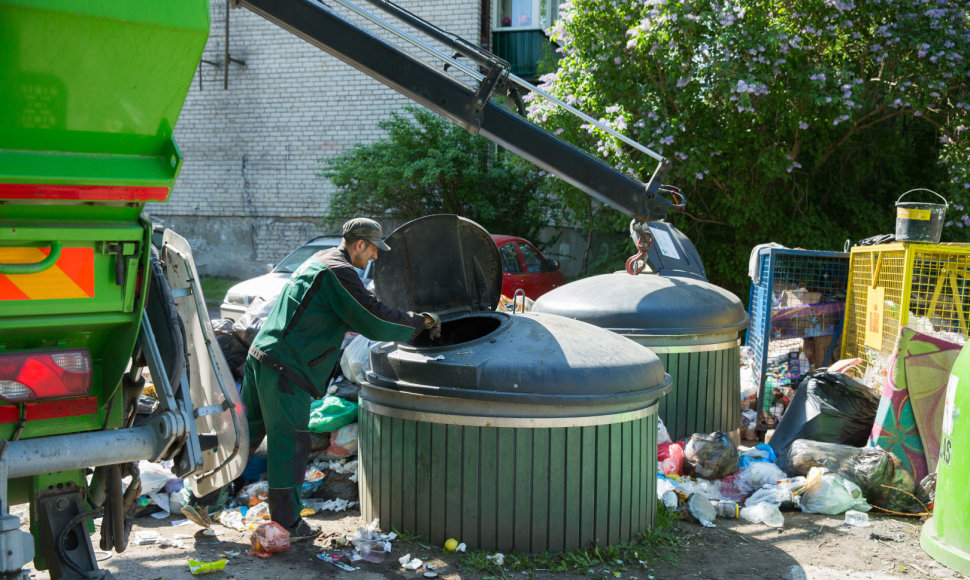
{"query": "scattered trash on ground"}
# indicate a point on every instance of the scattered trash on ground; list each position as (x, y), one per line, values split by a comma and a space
(268, 539)
(410, 564)
(197, 567)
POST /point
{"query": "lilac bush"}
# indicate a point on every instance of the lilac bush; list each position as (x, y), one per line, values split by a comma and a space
(813, 115)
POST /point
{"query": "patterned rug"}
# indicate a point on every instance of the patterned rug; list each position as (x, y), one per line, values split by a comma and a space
(910, 412)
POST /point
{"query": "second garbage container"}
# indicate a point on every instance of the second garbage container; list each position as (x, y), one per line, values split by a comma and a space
(691, 324)
(523, 432)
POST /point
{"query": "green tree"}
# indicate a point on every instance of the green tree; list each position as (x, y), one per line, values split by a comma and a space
(798, 122)
(426, 165)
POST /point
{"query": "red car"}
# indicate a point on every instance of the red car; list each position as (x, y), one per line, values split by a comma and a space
(523, 266)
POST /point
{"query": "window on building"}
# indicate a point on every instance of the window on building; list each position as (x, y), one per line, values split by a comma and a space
(526, 13)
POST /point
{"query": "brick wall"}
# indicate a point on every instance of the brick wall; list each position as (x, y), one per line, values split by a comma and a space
(248, 192)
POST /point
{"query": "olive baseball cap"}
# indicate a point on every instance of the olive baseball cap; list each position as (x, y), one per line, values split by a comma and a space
(365, 229)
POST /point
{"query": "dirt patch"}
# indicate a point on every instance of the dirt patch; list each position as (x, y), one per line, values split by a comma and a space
(807, 547)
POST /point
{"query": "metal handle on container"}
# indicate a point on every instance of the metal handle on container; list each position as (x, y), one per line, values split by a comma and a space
(515, 300)
(35, 267)
(945, 202)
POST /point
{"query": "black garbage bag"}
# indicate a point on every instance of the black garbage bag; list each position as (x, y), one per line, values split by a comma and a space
(926, 490)
(882, 477)
(249, 324)
(710, 456)
(232, 348)
(345, 389)
(827, 407)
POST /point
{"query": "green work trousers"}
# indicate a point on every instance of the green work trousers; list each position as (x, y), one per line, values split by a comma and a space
(280, 410)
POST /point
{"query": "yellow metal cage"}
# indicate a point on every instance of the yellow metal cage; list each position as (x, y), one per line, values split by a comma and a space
(923, 286)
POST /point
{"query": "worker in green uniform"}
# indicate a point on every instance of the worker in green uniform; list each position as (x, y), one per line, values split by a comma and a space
(294, 354)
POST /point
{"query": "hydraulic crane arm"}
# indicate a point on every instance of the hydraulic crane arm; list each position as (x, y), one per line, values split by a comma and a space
(462, 103)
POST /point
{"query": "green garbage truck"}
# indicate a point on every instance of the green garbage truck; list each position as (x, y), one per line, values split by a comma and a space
(89, 95)
(93, 300)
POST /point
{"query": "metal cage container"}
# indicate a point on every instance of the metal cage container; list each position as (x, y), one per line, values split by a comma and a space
(924, 286)
(796, 307)
(523, 432)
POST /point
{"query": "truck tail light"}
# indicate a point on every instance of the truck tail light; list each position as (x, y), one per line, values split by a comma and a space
(37, 376)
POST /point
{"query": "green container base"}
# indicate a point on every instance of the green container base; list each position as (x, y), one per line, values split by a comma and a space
(947, 554)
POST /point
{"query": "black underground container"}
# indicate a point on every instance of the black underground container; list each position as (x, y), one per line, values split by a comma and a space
(528, 432)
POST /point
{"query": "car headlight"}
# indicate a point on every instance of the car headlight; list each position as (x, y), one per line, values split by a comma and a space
(241, 299)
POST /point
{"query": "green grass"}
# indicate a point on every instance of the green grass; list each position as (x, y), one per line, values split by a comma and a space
(655, 544)
(214, 288)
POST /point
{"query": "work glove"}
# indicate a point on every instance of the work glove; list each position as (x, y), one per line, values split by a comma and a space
(433, 323)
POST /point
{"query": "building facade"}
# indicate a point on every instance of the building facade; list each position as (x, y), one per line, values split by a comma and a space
(266, 108)
(253, 137)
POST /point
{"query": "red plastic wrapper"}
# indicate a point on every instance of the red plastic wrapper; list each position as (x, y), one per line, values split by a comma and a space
(671, 458)
(729, 488)
(268, 539)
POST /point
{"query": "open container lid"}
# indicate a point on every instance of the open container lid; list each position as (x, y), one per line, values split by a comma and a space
(440, 263)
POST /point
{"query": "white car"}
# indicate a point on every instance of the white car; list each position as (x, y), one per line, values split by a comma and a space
(268, 286)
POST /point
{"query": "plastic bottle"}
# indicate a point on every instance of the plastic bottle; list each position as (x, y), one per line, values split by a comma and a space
(728, 509)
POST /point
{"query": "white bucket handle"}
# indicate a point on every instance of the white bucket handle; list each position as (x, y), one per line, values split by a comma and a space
(946, 204)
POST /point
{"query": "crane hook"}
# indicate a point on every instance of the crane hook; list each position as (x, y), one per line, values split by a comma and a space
(642, 239)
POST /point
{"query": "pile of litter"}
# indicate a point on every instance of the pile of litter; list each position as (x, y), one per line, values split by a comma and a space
(816, 461)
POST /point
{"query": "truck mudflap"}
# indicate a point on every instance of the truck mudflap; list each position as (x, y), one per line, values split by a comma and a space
(220, 417)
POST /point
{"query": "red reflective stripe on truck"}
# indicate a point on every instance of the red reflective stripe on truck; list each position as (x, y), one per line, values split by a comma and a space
(50, 409)
(81, 192)
(9, 413)
(61, 408)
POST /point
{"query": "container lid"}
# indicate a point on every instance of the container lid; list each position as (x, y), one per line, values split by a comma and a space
(562, 365)
(648, 304)
(440, 263)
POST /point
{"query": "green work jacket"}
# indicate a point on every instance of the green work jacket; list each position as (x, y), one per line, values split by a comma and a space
(323, 300)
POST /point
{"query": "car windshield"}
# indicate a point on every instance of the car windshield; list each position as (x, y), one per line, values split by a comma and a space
(293, 261)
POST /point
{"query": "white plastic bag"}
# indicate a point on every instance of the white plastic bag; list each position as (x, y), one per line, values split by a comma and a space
(763, 513)
(663, 486)
(709, 488)
(258, 490)
(355, 361)
(830, 493)
(757, 475)
(154, 476)
(773, 494)
(662, 435)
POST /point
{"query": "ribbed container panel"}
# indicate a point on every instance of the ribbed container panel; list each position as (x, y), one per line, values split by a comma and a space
(510, 488)
(705, 395)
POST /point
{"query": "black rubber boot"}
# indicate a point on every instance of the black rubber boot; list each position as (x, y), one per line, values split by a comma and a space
(284, 510)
